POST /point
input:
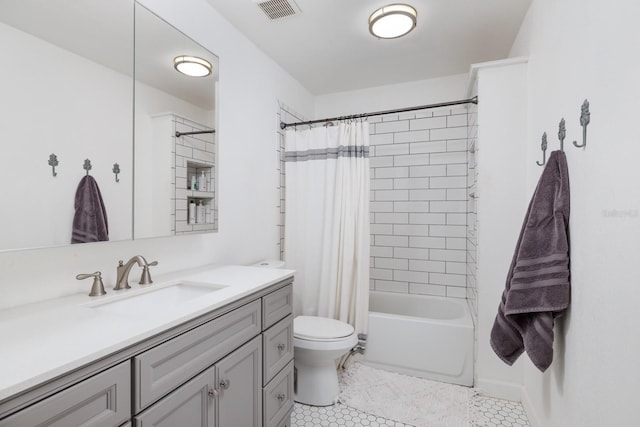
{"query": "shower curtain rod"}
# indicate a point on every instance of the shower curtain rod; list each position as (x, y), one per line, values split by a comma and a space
(473, 100)
(195, 132)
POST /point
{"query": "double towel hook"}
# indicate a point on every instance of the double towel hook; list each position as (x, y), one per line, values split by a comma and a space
(585, 118)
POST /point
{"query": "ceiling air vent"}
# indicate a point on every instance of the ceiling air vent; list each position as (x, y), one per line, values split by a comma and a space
(276, 9)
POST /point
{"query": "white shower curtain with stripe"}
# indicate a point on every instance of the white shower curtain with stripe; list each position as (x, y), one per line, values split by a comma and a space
(327, 220)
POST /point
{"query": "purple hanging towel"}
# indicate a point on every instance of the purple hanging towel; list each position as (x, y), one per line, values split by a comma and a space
(90, 220)
(537, 289)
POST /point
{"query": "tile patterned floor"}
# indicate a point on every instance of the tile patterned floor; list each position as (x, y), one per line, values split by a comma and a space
(500, 413)
(490, 413)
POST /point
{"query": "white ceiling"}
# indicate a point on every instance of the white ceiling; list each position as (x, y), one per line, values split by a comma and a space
(328, 47)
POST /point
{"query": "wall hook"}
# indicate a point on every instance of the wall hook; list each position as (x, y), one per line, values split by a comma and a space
(543, 147)
(562, 133)
(53, 162)
(87, 165)
(585, 118)
(116, 170)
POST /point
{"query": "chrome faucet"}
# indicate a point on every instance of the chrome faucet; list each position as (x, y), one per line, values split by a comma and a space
(123, 270)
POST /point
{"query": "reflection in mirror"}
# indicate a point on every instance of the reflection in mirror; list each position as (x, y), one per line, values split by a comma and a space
(66, 90)
(175, 141)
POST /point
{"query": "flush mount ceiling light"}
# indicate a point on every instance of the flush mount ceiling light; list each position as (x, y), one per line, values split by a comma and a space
(392, 21)
(192, 66)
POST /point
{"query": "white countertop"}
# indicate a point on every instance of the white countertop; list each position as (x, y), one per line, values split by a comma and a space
(41, 341)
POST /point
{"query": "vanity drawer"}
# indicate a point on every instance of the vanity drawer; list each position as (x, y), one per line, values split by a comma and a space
(286, 421)
(168, 365)
(276, 305)
(278, 397)
(277, 348)
(102, 400)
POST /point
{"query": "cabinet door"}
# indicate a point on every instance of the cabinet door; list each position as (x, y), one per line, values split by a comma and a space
(166, 366)
(100, 401)
(192, 405)
(239, 384)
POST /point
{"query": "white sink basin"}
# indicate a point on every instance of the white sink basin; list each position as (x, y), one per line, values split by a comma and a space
(158, 299)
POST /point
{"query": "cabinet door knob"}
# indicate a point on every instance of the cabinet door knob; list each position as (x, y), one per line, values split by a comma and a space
(213, 393)
(281, 346)
(224, 384)
(281, 397)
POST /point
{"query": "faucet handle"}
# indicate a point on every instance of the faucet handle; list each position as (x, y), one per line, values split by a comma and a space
(97, 289)
(145, 278)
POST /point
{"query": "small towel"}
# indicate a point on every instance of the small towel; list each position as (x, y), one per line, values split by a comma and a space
(537, 289)
(90, 220)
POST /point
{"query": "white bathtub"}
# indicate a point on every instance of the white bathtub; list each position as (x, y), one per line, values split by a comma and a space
(423, 336)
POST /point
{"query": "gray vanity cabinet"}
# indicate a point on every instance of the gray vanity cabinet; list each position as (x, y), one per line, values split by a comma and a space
(277, 381)
(163, 368)
(102, 400)
(232, 367)
(191, 405)
(239, 386)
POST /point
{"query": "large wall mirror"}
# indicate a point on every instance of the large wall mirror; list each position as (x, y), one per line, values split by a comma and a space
(68, 90)
(175, 140)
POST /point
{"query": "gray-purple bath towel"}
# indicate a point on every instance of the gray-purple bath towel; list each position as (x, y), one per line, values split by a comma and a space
(537, 289)
(90, 219)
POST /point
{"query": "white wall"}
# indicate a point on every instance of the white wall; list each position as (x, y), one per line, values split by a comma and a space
(588, 49)
(250, 86)
(422, 92)
(501, 205)
(58, 102)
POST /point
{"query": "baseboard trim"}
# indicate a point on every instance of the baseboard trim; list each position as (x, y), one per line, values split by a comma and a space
(534, 420)
(499, 389)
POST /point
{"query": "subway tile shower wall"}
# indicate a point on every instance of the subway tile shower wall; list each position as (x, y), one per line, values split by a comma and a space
(419, 202)
(472, 219)
(286, 115)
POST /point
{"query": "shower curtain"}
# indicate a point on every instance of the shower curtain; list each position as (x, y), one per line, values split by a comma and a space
(327, 220)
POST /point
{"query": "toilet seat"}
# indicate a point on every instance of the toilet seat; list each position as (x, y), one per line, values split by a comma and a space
(312, 328)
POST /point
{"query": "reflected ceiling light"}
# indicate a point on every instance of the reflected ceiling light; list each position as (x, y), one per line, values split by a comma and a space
(192, 66)
(392, 21)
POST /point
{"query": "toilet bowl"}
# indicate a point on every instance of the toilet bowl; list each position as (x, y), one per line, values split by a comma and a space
(317, 343)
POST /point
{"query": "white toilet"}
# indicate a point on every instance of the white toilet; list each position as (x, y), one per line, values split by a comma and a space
(317, 343)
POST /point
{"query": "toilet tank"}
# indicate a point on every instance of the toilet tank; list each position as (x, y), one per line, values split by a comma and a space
(270, 263)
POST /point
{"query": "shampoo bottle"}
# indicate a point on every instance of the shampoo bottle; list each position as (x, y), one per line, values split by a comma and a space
(202, 182)
(200, 213)
(193, 183)
(192, 212)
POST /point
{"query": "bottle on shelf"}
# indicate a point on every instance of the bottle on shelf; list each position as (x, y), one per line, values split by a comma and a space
(194, 184)
(200, 213)
(202, 182)
(192, 212)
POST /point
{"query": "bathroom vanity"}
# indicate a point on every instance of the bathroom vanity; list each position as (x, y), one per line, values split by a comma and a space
(220, 354)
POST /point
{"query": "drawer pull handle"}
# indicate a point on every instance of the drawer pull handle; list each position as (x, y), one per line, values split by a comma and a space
(281, 397)
(224, 384)
(213, 394)
(281, 347)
